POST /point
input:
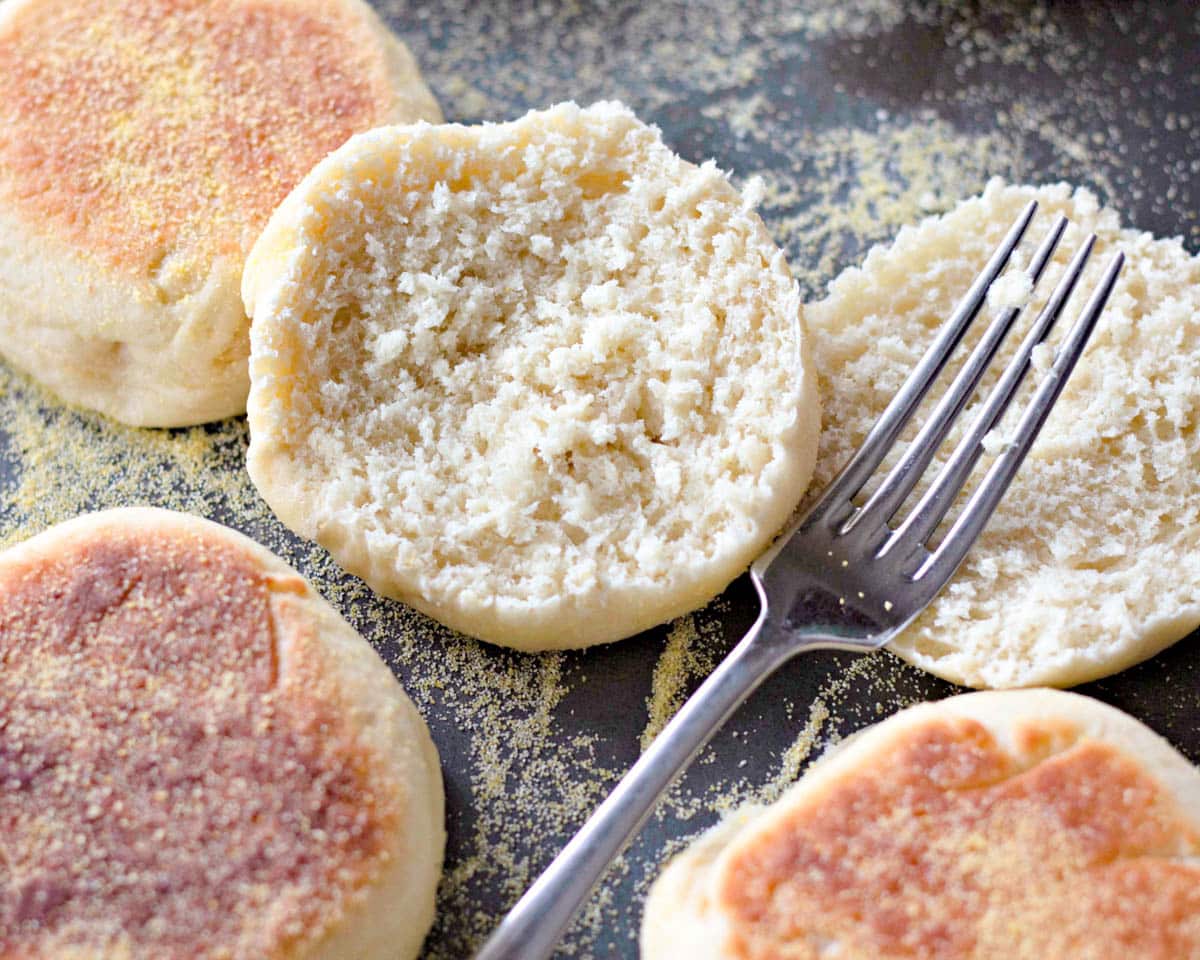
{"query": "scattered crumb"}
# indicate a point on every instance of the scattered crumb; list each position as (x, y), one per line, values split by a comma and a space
(1013, 289)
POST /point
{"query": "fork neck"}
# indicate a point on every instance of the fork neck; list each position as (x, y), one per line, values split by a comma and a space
(799, 615)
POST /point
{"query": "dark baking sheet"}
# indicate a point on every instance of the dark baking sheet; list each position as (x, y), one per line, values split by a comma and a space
(880, 106)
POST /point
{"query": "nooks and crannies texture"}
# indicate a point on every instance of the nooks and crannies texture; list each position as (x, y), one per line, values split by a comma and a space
(544, 380)
(1092, 561)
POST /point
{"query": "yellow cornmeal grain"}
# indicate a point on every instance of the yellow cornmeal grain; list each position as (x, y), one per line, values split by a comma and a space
(685, 659)
(897, 175)
(798, 754)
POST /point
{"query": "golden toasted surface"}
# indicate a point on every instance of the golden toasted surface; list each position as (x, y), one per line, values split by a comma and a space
(947, 846)
(176, 778)
(158, 135)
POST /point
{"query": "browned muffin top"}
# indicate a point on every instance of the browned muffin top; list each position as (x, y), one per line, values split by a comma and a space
(177, 778)
(159, 135)
(949, 846)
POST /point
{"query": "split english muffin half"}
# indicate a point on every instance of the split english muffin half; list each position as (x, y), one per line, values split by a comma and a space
(543, 380)
(1092, 561)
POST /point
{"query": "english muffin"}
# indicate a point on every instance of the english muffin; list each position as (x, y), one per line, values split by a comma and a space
(142, 148)
(1092, 561)
(1024, 825)
(200, 758)
(543, 380)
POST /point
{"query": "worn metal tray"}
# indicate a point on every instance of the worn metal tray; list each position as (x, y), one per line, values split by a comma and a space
(861, 116)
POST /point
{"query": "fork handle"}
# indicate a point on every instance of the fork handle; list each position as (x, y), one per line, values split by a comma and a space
(534, 926)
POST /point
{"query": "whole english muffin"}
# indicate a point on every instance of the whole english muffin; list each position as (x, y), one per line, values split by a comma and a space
(1092, 561)
(200, 758)
(1017, 825)
(142, 148)
(543, 380)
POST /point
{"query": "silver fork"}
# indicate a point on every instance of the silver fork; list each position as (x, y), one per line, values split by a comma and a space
(841, 578)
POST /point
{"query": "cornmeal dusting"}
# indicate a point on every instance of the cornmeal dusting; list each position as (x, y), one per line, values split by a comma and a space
(171, 129)
(168, 788)
(684, 660)
(944, 844)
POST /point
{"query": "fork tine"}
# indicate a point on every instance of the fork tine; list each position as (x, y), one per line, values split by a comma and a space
(984, 500)
(899, 482)
(894, 419)
(937, 500)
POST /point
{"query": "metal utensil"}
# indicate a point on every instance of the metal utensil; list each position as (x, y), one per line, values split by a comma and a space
(841, 578)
